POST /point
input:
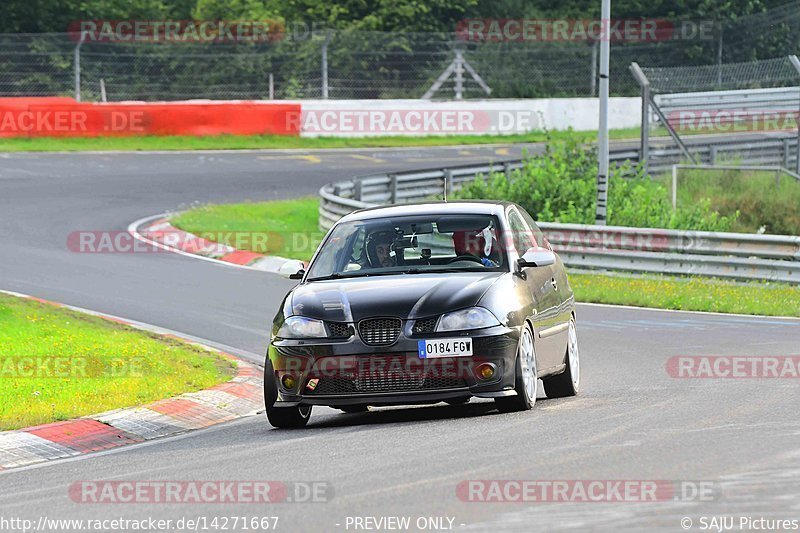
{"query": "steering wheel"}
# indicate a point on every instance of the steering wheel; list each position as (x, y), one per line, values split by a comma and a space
(466, 257)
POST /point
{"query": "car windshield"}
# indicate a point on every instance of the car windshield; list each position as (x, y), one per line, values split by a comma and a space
(410, 245)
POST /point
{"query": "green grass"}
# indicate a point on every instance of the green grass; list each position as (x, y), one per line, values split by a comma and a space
(240, 142)
(286, 228)
(57, 364)
(761, 198)
(688, 294)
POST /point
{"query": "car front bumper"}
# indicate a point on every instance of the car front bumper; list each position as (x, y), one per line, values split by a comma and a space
(352, 373)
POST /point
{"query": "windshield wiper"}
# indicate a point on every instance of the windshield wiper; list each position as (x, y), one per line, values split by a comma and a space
(335, 275)
(358, 274)
(462, 269)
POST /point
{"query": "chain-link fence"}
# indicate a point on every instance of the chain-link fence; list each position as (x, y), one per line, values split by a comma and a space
(369, 65)
(751, 97)
(776, 72)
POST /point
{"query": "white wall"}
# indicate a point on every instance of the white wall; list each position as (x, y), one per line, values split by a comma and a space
(358, 118)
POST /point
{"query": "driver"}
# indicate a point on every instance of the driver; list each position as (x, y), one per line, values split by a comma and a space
(379, 250)
(473, 242)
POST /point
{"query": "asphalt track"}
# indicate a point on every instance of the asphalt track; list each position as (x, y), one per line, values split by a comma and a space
(631, 422)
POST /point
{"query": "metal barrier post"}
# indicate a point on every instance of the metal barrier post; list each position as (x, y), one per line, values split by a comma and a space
(325, 65)
(796, 62)
(392, 188)
(77, 66)
(644, 138)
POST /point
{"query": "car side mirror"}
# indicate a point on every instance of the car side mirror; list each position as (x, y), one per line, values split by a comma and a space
(536, 257)
(293, 269)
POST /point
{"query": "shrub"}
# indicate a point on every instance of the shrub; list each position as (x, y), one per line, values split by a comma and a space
(560, 186)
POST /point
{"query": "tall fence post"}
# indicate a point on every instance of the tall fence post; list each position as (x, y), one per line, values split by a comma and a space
(787, 153)
(601, 209)
(77, 67)
(271, 86)
(325, 44)
(459, 75)
(796, 62)
(644, 137)
(593, 81)
(719, 54)
(447, 176)
(392, 188)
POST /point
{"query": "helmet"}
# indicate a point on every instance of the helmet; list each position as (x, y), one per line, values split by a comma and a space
(373, 240)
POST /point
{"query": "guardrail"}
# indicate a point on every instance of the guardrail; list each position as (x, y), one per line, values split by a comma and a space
(774, 150)
(726, 255)
(770, 99)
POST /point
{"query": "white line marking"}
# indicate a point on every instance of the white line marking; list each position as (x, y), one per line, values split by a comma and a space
(133, 230)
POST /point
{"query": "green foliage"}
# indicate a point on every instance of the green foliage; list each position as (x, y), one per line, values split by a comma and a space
(762, 199)
(379, 15)
(370, 15)
(559, 186)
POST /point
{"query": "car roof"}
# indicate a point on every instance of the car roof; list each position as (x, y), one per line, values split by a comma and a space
(457, 207)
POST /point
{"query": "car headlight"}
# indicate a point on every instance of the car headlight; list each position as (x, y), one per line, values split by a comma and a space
(299, 327)
(472, 318)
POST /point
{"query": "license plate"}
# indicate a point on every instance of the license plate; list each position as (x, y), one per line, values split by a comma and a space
(433, 348)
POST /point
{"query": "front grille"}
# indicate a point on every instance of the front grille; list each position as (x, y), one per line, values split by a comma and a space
(339, 330)
(380, 331)
(378, 374)
(425, 325)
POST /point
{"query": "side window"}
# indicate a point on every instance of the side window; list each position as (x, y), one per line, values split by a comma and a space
(358, 247)
(521, 235)
(538, 236)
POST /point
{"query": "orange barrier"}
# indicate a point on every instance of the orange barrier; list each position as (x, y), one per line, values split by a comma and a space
(64, 117)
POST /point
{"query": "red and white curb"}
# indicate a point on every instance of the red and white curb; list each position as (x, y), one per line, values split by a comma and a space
(241, 396)
(158, 231)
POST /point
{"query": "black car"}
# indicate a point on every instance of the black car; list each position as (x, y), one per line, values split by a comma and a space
(423, 303)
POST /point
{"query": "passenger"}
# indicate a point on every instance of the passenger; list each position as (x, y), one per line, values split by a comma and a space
(473, 242)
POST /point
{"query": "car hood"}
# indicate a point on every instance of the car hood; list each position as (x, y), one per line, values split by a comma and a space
(404, 296)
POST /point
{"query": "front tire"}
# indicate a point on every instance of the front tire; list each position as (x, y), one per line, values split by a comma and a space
(568, 382)
(526, 381)
(281, 417)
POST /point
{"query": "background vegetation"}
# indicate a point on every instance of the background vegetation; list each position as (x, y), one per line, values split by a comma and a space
(560, 186)
(25, 16)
